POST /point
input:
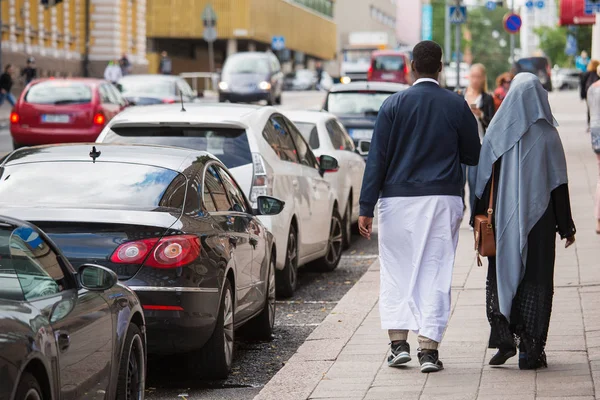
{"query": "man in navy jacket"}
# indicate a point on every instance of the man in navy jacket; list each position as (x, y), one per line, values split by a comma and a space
(421, 137)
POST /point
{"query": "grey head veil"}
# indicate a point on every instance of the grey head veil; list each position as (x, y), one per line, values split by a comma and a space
(523, 133)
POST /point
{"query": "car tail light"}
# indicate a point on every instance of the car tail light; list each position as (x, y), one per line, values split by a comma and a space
(370, 73)
(14, 118)
(548, 70)
(406, 69)
(168, 252)
(99, 119)
(262, 181)
(168, 101)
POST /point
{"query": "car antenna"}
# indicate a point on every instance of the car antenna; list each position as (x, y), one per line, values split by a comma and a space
(94, 154)
(181, 97)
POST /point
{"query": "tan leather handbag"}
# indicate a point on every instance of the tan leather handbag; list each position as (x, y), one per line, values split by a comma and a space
(485, 244)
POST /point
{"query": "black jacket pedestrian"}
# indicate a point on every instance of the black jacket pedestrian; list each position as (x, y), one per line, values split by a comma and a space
(488, 109)
(6, 82)
(29, 73)
(587, 79)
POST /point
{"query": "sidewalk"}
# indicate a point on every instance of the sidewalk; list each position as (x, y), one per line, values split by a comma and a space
(345, 357)
(5, 110)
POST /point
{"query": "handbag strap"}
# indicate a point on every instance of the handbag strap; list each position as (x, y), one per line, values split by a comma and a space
(490, 209)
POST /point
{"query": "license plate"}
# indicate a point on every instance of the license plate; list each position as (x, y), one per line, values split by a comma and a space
(388, 76)
(55, 118)
(359, 134)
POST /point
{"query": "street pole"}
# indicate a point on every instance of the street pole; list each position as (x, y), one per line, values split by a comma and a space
(211, 57)
(457, 48)
(447, 34)
(512, 36)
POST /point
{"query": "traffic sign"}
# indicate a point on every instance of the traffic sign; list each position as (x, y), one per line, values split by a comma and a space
(210, 34)
(540, 4)
(209, 16)
(529, 4)
(571, 47)
(457, 14)
(278, 43)
(491, 5)
(591, 7)
(512, 23)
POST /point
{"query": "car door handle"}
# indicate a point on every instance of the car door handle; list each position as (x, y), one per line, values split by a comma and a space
(63, 340)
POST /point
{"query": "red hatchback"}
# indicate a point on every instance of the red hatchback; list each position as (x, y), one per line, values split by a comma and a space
(389, 66)
(63, 111)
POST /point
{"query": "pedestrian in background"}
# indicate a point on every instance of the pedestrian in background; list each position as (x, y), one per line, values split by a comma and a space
(523, 156)
(166, 66)
(502, 86)
(125, 65)
(113, 73)
(29, 73)
(582, 61)
(6, 83)
(421, 137)
(593, 100)
(586, 81)
(481, 104)
(319, 73)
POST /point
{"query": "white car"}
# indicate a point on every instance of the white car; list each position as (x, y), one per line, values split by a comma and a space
(326, 135)
(266, 155)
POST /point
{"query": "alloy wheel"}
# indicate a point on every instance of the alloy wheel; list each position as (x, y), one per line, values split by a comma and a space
(228, 327)
(271, 294)
(32, 394)
(334, 246)
(292, 255)
(135, 370)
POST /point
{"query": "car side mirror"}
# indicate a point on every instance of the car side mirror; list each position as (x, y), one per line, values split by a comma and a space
(267, 205)
(96, 278)
(363, 147)
(327, 164)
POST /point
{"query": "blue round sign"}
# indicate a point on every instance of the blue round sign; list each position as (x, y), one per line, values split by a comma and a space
(491, 5)
(512, 23)
(540, 4)
(529, 4)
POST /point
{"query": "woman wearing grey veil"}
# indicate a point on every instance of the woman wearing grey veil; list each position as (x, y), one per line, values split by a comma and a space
(523, 153)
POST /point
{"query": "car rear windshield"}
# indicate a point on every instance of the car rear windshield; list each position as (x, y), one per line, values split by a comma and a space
(309, 133)
(362, 103)
(152, 87)
(83, 184)
(246, 64)
(532, 64)
(229, 145)
(388, 63)
(59, 92)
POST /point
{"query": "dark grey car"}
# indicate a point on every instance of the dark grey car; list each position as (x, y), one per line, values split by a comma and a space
(64, 334)
(251, 77)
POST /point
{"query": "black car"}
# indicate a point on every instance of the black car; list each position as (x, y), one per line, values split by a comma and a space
(172, 223)
(357, 104)
(250, 77)
(539, 66)
(143, 90)
(65, 333)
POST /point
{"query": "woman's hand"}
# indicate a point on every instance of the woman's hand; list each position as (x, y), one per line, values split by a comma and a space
(570, 241)
(477, 112)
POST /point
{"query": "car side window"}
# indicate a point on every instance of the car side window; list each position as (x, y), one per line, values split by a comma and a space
(215, 195)
(276, 133)
(36, 265)
(104, 95)
(184, 87)
(304, 152)
(337, 140)
(235, 194)
(117, 96)
(349, 144)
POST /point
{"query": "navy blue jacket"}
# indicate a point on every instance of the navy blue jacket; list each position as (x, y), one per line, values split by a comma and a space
(421, 137)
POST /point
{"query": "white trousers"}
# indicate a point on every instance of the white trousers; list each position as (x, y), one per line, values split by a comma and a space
(417, 245)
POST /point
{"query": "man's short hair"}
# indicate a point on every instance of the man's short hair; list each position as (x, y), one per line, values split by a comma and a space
(427, 56)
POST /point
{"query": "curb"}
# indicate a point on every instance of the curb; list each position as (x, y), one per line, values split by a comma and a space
(305, 369)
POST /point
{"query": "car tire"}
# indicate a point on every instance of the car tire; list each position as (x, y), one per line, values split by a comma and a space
(287, 279)
(132, 366)
(28, 388)
(332, 258)
(216, 356)
(347, 225)
(261, 326)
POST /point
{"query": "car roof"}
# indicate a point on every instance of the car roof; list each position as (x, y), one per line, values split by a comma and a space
(309, 116)
(238, 115)
(173, 158)
(370, 86)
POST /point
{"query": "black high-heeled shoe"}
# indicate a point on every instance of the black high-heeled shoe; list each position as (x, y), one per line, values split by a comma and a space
(503, 355)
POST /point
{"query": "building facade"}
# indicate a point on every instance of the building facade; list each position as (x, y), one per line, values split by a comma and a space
(534, 18)
(364, 16)
(56, 35)
(242, 25)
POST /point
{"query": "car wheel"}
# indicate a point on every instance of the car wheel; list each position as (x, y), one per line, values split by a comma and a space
(287, 278)
(132, 367)
(347, 224)
(29, 388)
(334, 245)
(261, 327)
(216, 356)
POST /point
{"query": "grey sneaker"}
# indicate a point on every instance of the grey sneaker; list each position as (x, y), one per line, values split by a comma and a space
(430, 361)
(400, 354)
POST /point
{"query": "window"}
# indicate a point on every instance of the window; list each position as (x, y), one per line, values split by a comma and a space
(214, 186)
(185, 88)
(389, 63)
(235, 194)
(309, 133)
(337, 139)
(59, 92)
(362, 103)
(305, 154)
(105, 97)
(36, 265)
(349, 143)
(117, 96)
(277, 135)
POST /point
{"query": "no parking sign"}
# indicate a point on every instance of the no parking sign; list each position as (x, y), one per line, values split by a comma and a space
(512, 23)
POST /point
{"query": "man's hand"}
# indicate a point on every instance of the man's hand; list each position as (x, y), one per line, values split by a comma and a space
(365, 226)
(570, 241)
